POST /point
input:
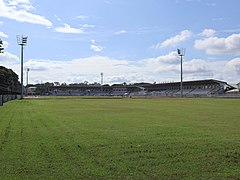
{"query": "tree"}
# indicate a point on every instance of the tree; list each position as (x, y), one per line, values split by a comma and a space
(9, 81)
(57, 83)
(1, 46)
(44, 88)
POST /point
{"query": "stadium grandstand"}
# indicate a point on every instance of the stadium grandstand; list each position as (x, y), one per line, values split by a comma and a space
(94, 90)
(238, 86)
(200, 88)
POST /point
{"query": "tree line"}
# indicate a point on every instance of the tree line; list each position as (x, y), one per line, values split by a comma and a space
(9, 83)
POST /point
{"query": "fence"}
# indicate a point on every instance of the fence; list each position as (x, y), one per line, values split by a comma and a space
(7, 95)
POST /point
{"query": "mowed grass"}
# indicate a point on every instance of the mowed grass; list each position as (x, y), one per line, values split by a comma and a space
(74, 138)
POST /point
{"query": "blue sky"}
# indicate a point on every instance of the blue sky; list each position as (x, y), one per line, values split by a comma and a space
(129, 41)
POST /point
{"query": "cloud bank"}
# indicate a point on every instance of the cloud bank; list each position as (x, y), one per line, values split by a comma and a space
(68, 29)
(158, 69)
(173, 41)
(20, 10)
(95, 47)
(218, 46)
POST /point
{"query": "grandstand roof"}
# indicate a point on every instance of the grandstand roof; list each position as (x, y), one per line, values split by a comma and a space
(198, 82)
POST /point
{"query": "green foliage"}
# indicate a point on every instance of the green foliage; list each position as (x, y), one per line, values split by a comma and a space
(8, 81)
(44, 88)
(74, 138)
(1, 46)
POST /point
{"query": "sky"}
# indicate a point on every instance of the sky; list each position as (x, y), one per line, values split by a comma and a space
(130, 41)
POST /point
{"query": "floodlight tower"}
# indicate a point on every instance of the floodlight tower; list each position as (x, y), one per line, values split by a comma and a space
(22, 41)
(181, 53)
(1, 51)
(101, 81)
(27, 71)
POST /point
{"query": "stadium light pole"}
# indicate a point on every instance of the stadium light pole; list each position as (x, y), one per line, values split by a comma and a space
(1, 51)
(22, 41)
(181, 53)
(27, 71)
(101, 81)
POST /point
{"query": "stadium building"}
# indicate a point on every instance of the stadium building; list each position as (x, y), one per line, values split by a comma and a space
(200, 88)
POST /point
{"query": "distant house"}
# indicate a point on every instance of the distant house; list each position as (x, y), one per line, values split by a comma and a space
(31, 90)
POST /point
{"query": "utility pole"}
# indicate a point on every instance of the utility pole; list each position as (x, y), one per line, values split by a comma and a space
(22, 41)
(181, 53)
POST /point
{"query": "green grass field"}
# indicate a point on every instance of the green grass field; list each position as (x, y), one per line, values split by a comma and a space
(74, 138)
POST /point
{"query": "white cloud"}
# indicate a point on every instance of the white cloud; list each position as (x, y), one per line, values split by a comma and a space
(18, 10)
(87, 26)
(117, 71)
(68, 71)
(215, 45)
(68, 29)
(95, 47)
(160, 69)
(82, 17)
(173, 41)
(22, 4)
(208, 33)
(42, 65)
(120, 32)
(234, 66)
(196, 66)
(2, 34)
(8, 58)
(170, 58)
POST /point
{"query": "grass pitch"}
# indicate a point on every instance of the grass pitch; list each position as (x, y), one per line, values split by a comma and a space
(74, 138)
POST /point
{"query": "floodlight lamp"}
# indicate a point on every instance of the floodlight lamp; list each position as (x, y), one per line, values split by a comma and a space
(179, 52)
(22, 40)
